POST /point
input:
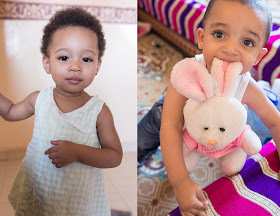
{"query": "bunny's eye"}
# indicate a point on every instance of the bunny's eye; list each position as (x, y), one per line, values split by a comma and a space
(206, 128)
(222, 129)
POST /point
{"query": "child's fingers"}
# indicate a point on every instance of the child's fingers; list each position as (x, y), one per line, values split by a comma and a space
(55, 161)
(198, 205)
(56, 142)
(201, 198)
(51, 150)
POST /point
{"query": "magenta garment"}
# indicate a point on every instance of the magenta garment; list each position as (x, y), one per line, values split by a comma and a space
(254, 191)
(213, 153)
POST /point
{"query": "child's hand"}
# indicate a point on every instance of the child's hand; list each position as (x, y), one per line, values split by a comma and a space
(190, 198)
(63, 153)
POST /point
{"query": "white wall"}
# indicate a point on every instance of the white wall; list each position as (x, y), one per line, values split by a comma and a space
(21, 72)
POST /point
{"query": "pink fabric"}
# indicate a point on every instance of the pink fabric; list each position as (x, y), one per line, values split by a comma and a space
(174, 15)
(160, 2)
(148, 6)
(254, 191)
(230, 202)
(213, 153)
(192, 20)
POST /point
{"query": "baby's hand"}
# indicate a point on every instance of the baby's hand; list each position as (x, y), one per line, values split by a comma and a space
(190, 198)
(63, 153)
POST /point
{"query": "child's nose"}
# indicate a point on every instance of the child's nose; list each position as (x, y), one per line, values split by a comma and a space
(75, 66)
(230, 47)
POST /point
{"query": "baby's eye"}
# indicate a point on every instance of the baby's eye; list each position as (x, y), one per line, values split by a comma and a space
(63, 58)
(218, 34)
(222, 129)
(248, 43)
(87, 59)
(206, 128)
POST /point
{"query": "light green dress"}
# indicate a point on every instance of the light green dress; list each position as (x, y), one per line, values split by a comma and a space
(41, 189)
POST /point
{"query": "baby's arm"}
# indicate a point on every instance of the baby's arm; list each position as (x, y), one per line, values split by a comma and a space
(257, 100)
(108, 156)
(188, 194)
(16, 112)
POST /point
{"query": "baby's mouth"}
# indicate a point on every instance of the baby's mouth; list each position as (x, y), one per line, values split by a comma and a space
(74, 80)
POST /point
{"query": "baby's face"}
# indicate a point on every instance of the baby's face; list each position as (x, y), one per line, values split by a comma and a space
(73, 59)
(233, 32)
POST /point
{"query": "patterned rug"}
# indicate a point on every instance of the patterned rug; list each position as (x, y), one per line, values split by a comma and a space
(155, 61)
(155, 195)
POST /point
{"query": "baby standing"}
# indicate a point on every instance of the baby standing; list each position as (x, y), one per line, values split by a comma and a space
(74, 134)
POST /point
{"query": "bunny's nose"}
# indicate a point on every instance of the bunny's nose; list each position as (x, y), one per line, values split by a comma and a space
(212, 142)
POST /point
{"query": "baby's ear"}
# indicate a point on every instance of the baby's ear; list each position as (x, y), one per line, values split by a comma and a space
(98, 65)
(46, 64)
(191, 79)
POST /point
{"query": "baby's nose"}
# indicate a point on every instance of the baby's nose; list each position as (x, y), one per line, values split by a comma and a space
(231, 47)
(212, 142)
(75, 66)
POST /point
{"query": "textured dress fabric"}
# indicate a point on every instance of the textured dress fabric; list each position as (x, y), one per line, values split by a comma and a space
(76, 189)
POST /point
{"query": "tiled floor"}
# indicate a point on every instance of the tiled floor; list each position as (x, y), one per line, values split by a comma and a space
(121, 184)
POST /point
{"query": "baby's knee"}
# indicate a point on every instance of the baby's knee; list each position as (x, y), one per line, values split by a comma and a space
(229, 171)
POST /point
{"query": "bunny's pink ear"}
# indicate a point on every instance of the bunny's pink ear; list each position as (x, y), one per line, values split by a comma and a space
(191, 79)
(226, 75)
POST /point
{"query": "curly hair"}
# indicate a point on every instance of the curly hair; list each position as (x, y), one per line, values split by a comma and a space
(260, 5)
(73, 16)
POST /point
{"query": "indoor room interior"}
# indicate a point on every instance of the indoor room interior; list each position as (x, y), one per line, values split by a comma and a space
(166, 35)
(22, 72)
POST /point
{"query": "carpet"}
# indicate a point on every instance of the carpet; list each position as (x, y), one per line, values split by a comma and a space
(156, 58)
(120, 213)
(155, 61)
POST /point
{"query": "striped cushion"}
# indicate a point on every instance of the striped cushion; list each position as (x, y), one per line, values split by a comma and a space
(268, 68)
(254, 191)
(183, 17)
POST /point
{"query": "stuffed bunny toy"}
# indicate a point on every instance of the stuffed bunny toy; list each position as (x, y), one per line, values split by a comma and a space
(215, 121)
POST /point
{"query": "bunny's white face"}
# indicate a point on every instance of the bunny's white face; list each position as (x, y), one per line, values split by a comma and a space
(215, 122)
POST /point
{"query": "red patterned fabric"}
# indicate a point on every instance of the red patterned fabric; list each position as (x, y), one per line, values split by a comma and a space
(254, 191)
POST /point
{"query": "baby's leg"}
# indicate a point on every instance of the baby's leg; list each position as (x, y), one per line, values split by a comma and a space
(191, 160)
(233, 162)
(148, 132)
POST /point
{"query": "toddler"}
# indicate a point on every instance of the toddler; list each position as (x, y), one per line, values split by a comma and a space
(74, 136)
(233, 31)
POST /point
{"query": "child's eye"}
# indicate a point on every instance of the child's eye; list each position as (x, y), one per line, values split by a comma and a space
(248, 43)
(219, 34)
(87, 59)
(63, 58)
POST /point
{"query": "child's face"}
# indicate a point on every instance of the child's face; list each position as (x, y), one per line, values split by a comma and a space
(73, 59)
(233, 32)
